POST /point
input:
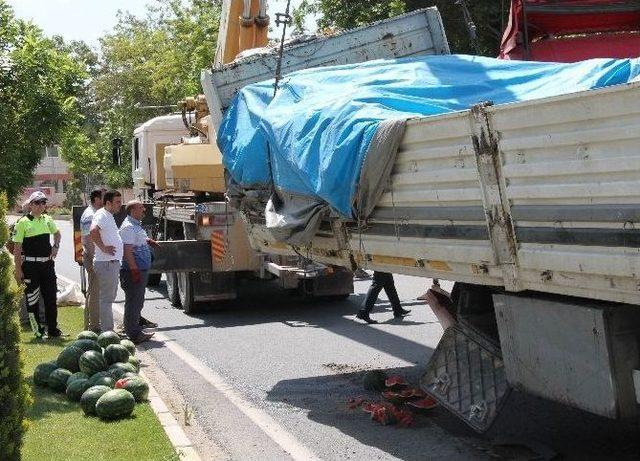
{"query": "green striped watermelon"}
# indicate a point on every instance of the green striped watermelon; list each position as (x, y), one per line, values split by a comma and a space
(115, 404)
(108, 337)
(116, 353)
(96, 376)
(90, 397)
(135, 361)
(119, 368)
(137, 386)
(58, 380)
(104, 381)
(68, 358)
(42, 372)
(87, 335)
(129, 345)
(77, 375)
(76, 388)
(87, 345)
(92, 362)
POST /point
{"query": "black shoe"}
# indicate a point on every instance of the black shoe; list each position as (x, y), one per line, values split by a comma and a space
(54, 333)
(401, 313)
(142, 337)
(147, 323)
(363, 315)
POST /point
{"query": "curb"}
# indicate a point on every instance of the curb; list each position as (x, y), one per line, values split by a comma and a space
(178, 438)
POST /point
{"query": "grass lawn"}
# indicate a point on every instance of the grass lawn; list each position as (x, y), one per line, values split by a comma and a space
(59, 430)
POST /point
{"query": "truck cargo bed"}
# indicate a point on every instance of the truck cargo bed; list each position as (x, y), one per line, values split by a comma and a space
(541, 195)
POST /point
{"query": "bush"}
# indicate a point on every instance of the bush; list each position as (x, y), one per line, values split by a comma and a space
(14, 393)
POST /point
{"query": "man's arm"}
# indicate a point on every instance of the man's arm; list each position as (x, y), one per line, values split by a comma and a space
(131, 262)
(56, 244)
(17, 260)
(97, 240)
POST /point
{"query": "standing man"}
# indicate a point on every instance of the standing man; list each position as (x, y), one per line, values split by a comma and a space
(381, 280)
(108, 254)
(34, 263)
(92, 300)
(135, 269)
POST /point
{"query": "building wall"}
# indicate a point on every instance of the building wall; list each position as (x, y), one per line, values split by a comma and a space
(51, 177)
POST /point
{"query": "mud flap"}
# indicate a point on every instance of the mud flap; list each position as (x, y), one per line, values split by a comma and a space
(466, 375)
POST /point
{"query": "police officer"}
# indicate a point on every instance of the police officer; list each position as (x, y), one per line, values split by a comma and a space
(34, 262)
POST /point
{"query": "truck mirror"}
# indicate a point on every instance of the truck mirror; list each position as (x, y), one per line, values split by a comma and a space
(116, 147)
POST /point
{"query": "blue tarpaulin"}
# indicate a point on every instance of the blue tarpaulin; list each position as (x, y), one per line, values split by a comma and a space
(313, 137)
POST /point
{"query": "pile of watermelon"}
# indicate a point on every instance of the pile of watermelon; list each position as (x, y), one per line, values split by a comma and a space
(100, 372)
(403, 401)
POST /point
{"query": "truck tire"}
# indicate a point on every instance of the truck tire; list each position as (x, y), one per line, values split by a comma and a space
(172, 289)
(154, 280)
(185, 290)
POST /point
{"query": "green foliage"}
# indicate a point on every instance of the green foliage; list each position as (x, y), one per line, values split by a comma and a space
(14, 393)
(38, 87)
(345, 14)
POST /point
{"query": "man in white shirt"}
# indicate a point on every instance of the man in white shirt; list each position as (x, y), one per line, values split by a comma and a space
(92, 300)
(108, 254)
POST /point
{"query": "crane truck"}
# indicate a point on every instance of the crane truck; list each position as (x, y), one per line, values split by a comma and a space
(531, 207)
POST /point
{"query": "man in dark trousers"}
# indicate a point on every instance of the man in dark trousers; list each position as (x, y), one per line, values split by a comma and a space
(34, 263)
(381, 280)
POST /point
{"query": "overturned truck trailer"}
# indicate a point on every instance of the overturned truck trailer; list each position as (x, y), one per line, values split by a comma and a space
(531, 205)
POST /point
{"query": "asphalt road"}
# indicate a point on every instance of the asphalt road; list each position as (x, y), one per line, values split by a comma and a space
(297, 363)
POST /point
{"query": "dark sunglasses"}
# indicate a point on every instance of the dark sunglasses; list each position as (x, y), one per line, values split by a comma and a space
(40, 202)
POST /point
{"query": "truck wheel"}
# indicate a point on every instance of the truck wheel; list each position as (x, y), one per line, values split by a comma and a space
(154, 280)
(185, 289)
(172, 289)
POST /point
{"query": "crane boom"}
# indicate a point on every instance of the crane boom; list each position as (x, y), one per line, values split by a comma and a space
(243, 25)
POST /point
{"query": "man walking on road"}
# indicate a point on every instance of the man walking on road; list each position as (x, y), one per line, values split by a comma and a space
(108, 254)
(34, 263)
(135, 269)
(381, 280)
(92, 301)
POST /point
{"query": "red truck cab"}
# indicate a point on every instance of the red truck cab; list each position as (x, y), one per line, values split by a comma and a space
(571, 30)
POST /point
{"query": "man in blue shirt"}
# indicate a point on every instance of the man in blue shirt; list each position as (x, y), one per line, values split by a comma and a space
(134, 272)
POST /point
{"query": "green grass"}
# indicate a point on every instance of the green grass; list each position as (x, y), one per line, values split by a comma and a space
(59, 430)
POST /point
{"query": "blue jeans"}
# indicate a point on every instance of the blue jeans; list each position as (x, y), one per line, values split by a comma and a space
(133, 301)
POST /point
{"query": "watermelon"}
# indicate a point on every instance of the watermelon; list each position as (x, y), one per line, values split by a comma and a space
(95, 377)
(77, 375)
(128, 374)
(87, 335)
(104, 381)
(68, 358)
(87, 345)
(135, 361)
(115, 404)
(92, 362)
(116, 353)
(42, 372)
(76, 388)
(137, 386)
(426, 404)
(129, 345)
(119, 368)
(374, 380)
(395, 382)
(108, 337)
(58, 380)
(90, 397)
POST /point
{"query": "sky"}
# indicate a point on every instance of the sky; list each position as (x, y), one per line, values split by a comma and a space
(88, 20)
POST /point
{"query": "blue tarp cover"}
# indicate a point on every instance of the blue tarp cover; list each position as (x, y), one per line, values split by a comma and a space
(316, 131)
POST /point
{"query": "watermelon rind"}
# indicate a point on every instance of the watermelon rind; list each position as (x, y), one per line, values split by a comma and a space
(116, 353)
(90, 397)
(129, 345)
(92, 362)
(120, 368)
(58, 380)
(42, 372)
(115, 404)
(68, 358)
(108, 337)
(86, 345)
(87, 335)
(76, 388)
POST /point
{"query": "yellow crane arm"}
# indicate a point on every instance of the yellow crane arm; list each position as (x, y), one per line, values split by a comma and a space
(243, 25)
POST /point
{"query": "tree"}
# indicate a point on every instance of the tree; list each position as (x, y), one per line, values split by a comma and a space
(487, 15)
(38, 86)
